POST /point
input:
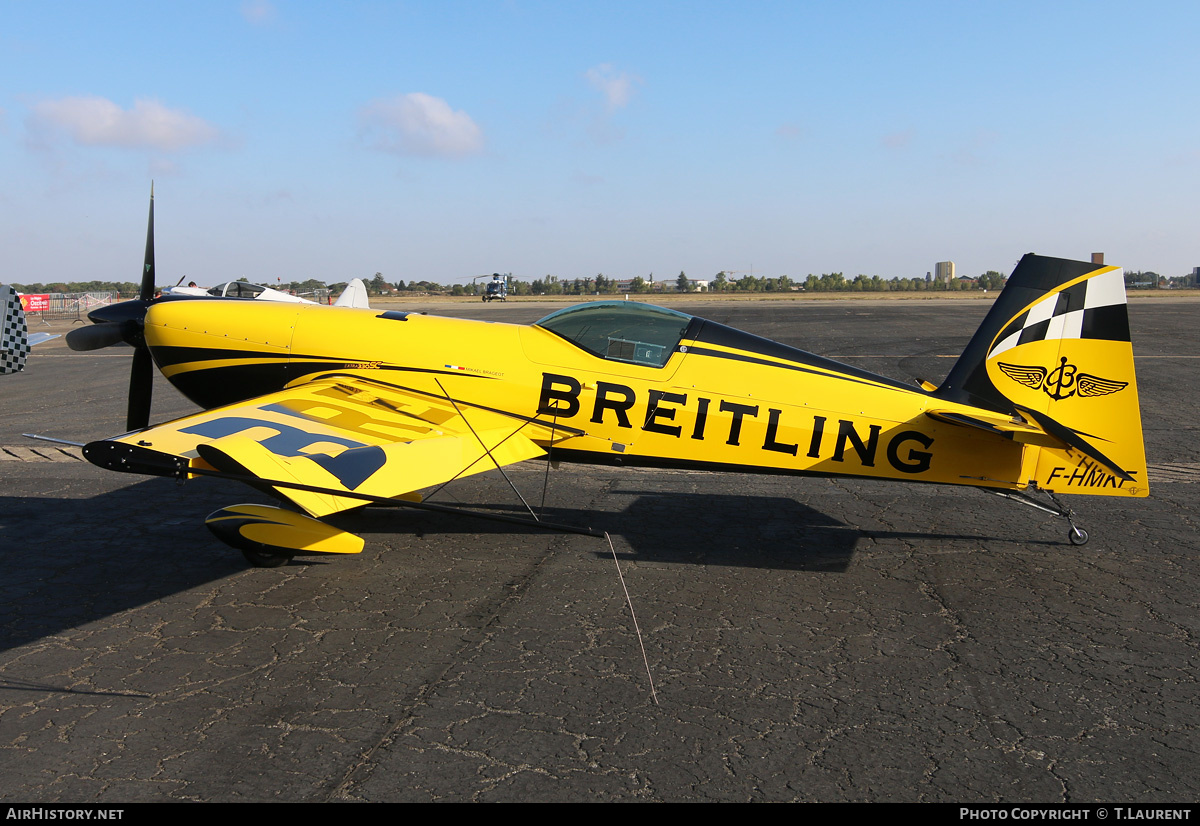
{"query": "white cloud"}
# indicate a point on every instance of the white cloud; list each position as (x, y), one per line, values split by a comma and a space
(617, 87)
(96, 121)
(258, 12)
(420, 124)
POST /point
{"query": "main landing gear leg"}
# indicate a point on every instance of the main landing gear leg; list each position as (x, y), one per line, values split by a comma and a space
(1076, 535)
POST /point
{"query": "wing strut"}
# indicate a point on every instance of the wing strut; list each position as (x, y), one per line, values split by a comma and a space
(549, 462)
(486, 450)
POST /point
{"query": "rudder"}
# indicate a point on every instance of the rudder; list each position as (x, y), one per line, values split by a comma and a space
(14, 336)
(1055, 349)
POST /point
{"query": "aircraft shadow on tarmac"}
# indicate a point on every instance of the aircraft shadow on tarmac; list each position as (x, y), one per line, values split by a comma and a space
(747, 531)
(769, 532)
(72, 561)
(742, 531)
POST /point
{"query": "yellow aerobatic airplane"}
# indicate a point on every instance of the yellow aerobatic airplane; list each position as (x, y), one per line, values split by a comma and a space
(330, 409)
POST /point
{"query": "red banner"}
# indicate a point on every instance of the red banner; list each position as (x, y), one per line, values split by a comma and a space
(35, 303)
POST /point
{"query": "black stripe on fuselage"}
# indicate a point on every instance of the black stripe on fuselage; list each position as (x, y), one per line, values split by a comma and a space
(167, 356)
(215, 386)
(795, 358)
(704, 351)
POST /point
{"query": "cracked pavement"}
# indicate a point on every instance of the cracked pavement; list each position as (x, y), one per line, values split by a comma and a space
(809, 639)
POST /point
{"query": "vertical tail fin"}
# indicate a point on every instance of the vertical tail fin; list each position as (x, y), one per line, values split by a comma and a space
(1055, 349)
(14, 337)
(355, 295)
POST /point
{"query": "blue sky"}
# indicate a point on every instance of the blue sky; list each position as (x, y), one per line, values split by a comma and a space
(441, 140)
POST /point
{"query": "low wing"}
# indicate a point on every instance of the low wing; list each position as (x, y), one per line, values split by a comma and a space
(338, 434)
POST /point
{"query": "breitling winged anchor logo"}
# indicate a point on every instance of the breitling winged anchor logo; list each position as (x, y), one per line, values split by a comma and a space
(1063, 381)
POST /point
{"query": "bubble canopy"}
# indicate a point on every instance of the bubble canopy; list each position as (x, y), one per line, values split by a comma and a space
(625, 331)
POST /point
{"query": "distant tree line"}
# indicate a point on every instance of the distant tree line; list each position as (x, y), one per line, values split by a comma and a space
(1148, 280)
(125, 288)
(837, 282)
(600, 284)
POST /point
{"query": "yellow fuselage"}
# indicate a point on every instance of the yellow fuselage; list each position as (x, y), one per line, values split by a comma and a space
(723, 400)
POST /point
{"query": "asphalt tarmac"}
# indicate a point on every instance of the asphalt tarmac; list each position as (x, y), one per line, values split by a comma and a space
(809, 639)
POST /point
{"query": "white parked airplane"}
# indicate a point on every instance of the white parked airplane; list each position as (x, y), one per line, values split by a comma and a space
(355, 294)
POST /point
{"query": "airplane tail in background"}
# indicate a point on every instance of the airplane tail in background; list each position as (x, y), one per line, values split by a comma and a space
(14, 338)
(355, 295)
(1055, 350)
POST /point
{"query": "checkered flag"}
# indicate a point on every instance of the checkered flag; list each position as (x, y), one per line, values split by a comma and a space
(1093, 308)
(14, 338)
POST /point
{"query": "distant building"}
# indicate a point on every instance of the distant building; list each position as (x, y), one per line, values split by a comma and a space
(1098, 259)
(944, 272)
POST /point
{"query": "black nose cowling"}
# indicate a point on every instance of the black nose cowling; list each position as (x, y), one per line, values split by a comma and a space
(111, 324)
(134, 310)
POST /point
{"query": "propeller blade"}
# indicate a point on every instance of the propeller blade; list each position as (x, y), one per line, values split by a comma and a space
(94, 336)
(147, 286)
(141, 385)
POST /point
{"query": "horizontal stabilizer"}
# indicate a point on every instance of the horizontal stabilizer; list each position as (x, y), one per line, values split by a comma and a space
(1075, 441)
(1035, 429)
(1009, 427)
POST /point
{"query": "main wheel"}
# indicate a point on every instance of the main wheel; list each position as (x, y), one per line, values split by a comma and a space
(1077, 536)
(262, 559)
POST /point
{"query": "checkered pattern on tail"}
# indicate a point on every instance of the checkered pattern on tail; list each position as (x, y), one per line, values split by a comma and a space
(1094, 308)
(14, 339)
